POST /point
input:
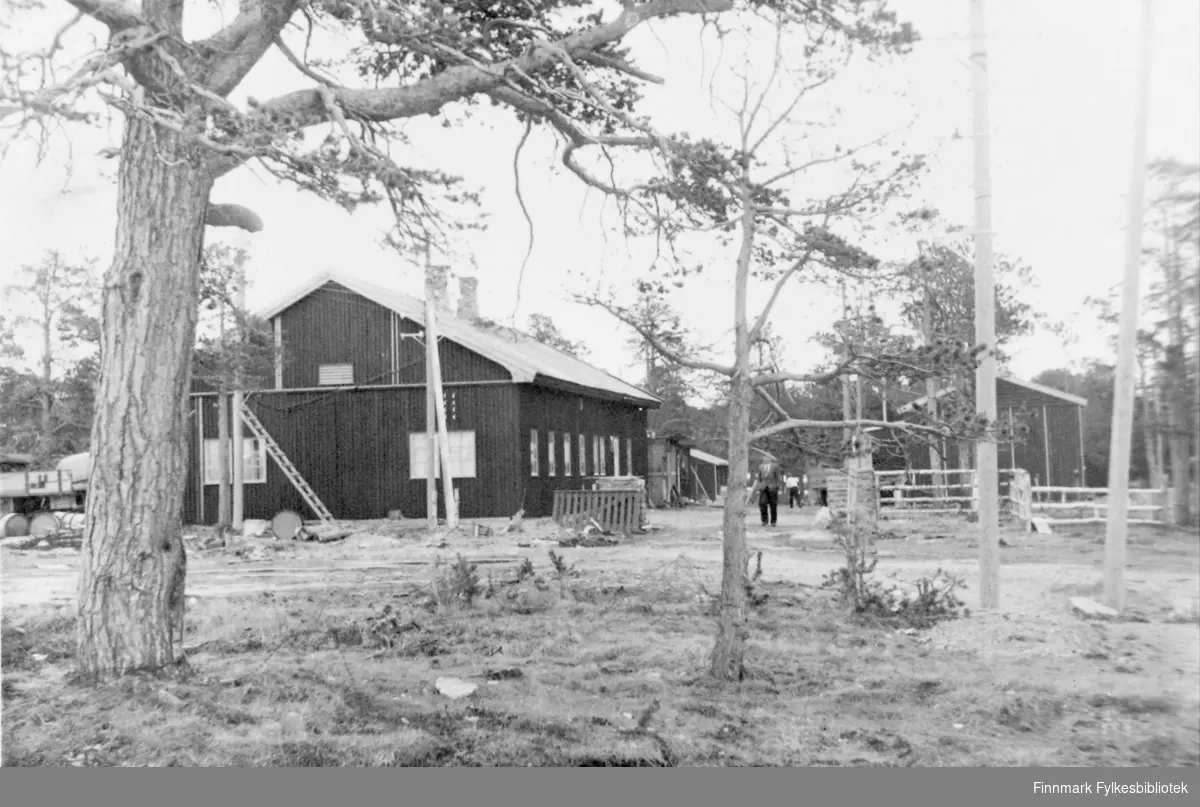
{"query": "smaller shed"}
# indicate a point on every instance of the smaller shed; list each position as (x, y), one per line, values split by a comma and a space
(1052, 451)
(710, 473)
(670, 478)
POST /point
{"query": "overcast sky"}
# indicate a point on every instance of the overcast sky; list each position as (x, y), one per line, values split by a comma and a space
(1061, 109)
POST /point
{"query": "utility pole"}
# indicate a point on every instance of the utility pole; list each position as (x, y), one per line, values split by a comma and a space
(1122, 422)
(239, 430)
(847, 432)
(442, 429)
(986, 460)
(224, 465)
(431, 518)
(931, 384)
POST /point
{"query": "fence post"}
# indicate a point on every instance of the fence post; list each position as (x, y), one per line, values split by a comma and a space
(1167, 514)
(1021, 493)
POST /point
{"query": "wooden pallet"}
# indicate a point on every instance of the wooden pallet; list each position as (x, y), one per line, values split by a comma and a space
(616, 511)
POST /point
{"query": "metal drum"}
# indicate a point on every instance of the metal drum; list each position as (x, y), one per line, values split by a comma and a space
(286, 524)
(43, 525)
(13, 525)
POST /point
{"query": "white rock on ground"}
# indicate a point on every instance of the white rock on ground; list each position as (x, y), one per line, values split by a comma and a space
(1090, 608)
(454, 688)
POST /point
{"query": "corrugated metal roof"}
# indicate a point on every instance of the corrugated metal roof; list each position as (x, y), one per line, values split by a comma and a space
(519, 353)
(1029, 385)
(704, 456)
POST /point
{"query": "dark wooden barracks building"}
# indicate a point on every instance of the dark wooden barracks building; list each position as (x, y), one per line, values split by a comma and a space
(347, 407)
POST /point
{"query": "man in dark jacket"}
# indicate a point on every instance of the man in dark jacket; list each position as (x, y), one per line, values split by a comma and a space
(769, 482)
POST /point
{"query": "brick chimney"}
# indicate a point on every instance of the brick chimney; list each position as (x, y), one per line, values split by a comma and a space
(468, 300)
(437, 285)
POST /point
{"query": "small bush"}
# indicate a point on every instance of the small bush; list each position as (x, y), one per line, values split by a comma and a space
(526, 568)
(935, 600)
(456, 586)
(561, 567)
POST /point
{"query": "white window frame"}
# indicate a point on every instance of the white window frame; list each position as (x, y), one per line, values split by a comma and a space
(567, 454)
(534, 470)
(581, 463)
(338, 380)
(254, 461)
(551, 463)
(615, 443)
(629, 456)
(462, 455)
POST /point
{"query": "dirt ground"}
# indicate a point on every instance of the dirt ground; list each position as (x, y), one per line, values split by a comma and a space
(331, 654)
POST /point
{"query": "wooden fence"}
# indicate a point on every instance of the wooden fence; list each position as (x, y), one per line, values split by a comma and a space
(951, 490)
(617, 511)
(956, 491)
(1066, 505)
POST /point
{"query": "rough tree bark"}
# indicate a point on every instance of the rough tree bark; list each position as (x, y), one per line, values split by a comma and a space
(133, 555)
(224, 492)
(729, 651)
(46, 443)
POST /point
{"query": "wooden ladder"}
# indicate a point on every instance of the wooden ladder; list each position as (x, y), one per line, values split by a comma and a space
(289, 470)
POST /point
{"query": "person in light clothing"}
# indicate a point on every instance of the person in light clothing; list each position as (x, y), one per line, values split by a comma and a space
(793, 489)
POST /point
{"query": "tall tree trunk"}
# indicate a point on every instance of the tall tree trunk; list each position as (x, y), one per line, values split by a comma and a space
(1180, 450)
(1148, 428)
(46, 443)
(133, 564)
(729, 651)
(224, 489)
(1177, 380)
(224, 499)
(931, 394)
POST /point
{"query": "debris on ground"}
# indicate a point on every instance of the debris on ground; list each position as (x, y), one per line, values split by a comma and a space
(1040, 525)
(454, 688)
(503, 674)
(822, 519)
(482, 531)
(255, 527)
(588, 540)
(1091, 609)
(515, 524)
(62, 539)
(322, 535)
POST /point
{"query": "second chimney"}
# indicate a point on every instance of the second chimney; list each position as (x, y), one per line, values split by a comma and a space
(468, 299)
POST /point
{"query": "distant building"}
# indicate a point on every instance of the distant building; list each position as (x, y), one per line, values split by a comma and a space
(1052, 452)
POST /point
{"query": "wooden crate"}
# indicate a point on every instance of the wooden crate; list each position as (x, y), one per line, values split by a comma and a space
(618, 511)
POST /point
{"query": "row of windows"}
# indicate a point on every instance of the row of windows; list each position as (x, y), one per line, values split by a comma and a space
(462, 456)
(601, 448)
(254, 463)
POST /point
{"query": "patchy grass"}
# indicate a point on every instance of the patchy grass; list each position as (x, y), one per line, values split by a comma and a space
(571, 672)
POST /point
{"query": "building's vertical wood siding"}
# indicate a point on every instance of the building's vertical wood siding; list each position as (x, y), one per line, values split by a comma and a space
(1050, 419)
(549, 410)
(333, 325)
(458, 362)
(352, 448)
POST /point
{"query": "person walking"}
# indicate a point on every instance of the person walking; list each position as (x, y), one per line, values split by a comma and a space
(770, 480)
(793, 489)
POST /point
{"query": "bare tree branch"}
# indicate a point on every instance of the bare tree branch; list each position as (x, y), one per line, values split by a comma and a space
(804, 423)
(305, 107)
(242, 43)
(117, 15)
(655, 342)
